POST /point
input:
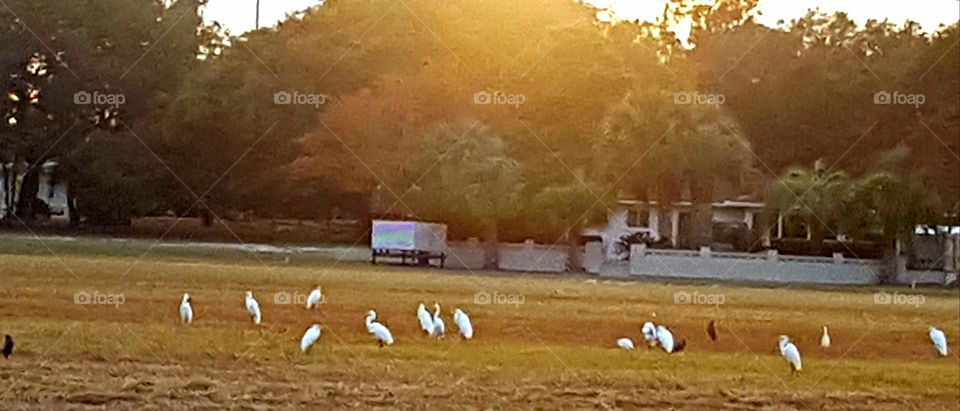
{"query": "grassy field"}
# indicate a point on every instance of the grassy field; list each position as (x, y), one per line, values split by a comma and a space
(543, 342)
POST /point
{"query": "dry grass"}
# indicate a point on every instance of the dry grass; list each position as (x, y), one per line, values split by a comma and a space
(553, 350)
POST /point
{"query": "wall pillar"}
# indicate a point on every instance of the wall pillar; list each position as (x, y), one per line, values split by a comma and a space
(675, 228)
(653, 222)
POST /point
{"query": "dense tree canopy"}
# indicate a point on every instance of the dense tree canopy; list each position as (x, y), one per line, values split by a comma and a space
(564, 106)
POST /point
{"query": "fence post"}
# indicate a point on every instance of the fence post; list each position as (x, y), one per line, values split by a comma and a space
(773, 256)
(838, 258)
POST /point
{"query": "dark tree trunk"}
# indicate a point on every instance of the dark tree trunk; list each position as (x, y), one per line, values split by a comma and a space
(817, 235)
(27, 196)
(72, 208)
(701, 218)
(206, 217)
(7, 191)
(491, 247)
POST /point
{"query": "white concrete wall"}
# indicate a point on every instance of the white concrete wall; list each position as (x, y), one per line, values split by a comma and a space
(743, 267)
(465, 255)
(922, 277)
(533, 257)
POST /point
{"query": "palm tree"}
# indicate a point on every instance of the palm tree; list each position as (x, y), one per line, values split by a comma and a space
(673, 149)
(469, 180)
(565, 209)
(817, 196)
(894, 204)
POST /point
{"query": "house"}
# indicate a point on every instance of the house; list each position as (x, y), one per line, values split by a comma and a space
(55, 196)
(651, 222)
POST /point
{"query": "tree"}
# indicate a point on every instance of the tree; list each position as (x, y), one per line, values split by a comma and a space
(818, 196)
(884, 204)
(468, 180)
(805, 91)
(59, 56)
(892, 204)
(564, 210)
(659, 150)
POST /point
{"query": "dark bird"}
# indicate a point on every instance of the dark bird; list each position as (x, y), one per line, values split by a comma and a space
(679, 346)
(712, 330)
(7, 346)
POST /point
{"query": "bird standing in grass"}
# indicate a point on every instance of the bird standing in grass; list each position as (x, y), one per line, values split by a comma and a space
(439, 328)
(463, 323)
(790, 353)
(939, 340)
(379, 331)
(310, 337)
(712, 330)
(253, 307)
(665, 339)
(825, 339)
(7, 346)
(649, 331)
(186, 310)
(426, 321)
(315, 298)
(625, 343)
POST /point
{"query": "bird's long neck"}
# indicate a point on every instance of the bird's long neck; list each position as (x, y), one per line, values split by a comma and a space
(436, 311)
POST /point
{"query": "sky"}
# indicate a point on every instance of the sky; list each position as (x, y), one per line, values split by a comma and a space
(239, 15)
(929, 13)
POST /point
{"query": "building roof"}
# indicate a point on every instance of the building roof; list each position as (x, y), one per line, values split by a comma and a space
(684, 204)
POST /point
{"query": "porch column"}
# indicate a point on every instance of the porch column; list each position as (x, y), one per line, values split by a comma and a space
(780, 225)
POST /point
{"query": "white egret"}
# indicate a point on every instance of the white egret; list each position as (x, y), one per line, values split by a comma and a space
(379, 331)
(825, 339)
(186, 311)
(426, 321)
(790, 353)
(310, 337)
(939, 340)
(439, 328)
(649, 331)
(625, 343)
(665, 338)
(463, 323)
(253, 307)
(315, 298)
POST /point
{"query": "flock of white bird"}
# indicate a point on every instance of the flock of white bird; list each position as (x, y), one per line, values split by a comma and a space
(655, 335)
(658, 335)
(432, 324)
